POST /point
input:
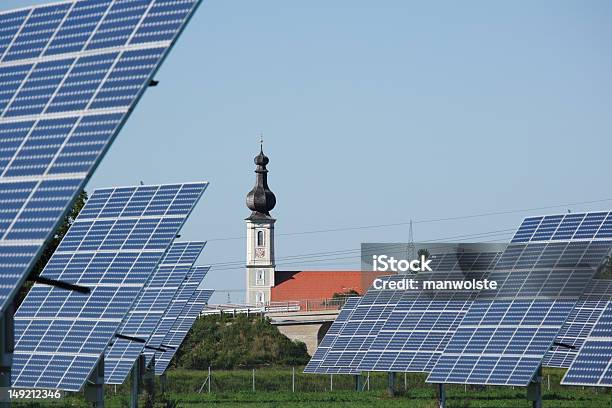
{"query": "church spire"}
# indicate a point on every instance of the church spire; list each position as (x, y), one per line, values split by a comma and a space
(261, 199)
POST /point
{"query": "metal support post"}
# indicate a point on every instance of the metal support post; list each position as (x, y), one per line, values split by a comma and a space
(163, 383)
(534, 389)
(148, 380)
(358, 383)
(391, 384)
(136, 383)
(7, 345)
(94, 387)
(441, 396)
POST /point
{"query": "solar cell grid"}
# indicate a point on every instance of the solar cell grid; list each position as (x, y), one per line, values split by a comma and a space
(149, 308)
(565, 227)
(579, 324)
(419, 327)
(505, 334)
(184, 293)
(181, 327)
(70, 74)
(330, 337)
(356, 336)
(112, 255)
(593, 364)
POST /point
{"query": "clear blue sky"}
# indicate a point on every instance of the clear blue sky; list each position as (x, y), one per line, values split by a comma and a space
(376, 112)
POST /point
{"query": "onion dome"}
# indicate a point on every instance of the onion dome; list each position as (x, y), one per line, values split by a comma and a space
(261, 199)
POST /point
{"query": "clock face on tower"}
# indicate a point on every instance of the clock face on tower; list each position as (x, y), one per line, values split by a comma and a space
(260, 252)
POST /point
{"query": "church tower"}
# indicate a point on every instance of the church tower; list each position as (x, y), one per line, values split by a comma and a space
(260, 236)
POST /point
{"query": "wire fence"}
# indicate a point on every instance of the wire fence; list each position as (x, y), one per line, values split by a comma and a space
(295, 380)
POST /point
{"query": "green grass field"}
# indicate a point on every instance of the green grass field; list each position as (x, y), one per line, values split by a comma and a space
(273, 388)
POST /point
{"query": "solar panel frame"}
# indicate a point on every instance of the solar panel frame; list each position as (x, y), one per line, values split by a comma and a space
(147, 311)
(330, 337)
(593, 364)
(579, 324)
(419, 327)
(113, 246)
(504, 337)
(355, 337)
(20, 254)
(181, 327)
(191, 283)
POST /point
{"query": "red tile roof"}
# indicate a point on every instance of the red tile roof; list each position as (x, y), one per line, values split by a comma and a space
(302, 285)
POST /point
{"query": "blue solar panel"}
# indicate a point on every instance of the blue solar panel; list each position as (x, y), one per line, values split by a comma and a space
(565, 227)
(184, 293)
(580, 323)
(330, 337)
(114, 245)
(505, 335)
(149, 308)
(362, 327)
(419, 327)
(593, 364)
(70, 75)
(181, 327)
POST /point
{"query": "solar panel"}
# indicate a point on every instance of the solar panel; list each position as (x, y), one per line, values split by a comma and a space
(114, 245)
(181, 327)
(419, 327)
(565, 227)
(330, 337)
(580, 323)
(148, 309)
(70, 75)
(356, 336)
(593, 364)
(186, 290)
(505, 335)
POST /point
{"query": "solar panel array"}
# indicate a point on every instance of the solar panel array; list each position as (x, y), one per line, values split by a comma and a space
(580, 323)
(419, 327)
(148, 309)
(114, 245)
(185, 292)
(505, 335)
(369, 359)
(70, 74)
(181, 327)
(593, 364)
(565, 227)
(362, 327)
(330, 337)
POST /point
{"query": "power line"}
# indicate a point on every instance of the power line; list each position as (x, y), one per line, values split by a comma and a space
(356, 253)
(389, 246)
(425, 221)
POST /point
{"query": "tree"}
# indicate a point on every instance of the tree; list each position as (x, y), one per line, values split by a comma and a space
(423, 252)
(346, 293)
(52, 245)
(226, 342)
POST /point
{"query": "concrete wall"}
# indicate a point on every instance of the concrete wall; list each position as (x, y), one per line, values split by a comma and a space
(311, 333)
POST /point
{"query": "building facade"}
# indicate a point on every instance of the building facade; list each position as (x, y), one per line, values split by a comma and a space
(260, 266)
(264, 284)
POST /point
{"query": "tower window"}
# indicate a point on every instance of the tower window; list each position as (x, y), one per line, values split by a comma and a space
(260, 238)
(261, 277)
(261, 297)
